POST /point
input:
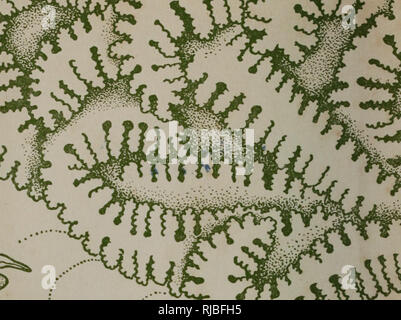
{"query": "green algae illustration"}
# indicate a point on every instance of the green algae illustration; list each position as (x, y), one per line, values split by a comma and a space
(81, 94)
(8, 262)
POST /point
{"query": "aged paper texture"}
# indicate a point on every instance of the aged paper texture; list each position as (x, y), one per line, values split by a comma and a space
(108, 192)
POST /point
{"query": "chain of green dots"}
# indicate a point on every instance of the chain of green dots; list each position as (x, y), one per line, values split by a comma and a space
(154, 293)
(41, 232)
(68, 270)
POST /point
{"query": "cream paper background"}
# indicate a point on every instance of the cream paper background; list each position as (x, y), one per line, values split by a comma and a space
(22, 220)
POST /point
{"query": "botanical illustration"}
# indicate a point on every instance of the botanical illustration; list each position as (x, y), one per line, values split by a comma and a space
(100, 98)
